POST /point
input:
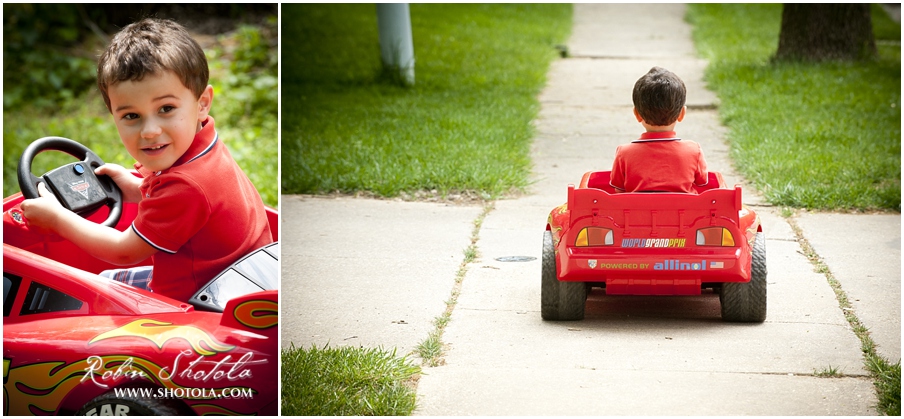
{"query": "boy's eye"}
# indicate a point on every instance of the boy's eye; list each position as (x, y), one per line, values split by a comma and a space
(130, 116)
(166, 108)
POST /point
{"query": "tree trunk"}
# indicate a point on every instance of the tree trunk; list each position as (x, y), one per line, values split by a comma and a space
(821, 32)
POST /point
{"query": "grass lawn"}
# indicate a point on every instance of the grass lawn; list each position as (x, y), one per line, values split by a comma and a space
(822, 136)
(346, 381)
(464, 126)
(244, 107)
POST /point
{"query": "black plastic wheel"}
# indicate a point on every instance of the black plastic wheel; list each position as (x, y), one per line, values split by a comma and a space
(559, 300)
(746, 301)
(75, 185)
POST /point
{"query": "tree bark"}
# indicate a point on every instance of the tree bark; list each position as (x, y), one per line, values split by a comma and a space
(823, 32)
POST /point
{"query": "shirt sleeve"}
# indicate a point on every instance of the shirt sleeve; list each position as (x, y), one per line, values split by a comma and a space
(617, 177)
(172, 214)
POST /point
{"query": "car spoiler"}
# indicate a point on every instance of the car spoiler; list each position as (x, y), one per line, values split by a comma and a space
(639, 211)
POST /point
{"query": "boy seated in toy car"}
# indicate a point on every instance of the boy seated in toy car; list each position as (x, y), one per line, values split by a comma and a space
(659, 161)
(197, 211)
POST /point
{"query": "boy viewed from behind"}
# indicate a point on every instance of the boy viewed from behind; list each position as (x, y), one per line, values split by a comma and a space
(659, 161)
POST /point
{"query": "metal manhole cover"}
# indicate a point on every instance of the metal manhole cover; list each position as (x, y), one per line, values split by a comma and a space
(516, 258)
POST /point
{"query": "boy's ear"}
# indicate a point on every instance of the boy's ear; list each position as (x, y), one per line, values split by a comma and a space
(681, 114)
(637, 115)
(204, 103)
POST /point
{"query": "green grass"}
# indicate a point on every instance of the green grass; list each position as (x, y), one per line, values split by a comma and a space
(346, 381)
(828, 372)
(464, 125)
(888, 384)
(431, 349)
(822, 136)
(245, 108)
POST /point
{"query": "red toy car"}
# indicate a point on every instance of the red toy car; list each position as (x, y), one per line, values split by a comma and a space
(653, 244)
(76, 343)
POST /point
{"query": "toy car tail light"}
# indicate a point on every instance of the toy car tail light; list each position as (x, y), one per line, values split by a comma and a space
(594, 236)
(714, 236)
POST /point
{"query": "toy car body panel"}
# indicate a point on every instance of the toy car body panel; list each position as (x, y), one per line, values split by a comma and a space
(77, 343)
(653, 243)
(58, 365)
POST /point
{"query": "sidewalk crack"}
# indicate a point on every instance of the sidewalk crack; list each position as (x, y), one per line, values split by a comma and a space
(431, 350)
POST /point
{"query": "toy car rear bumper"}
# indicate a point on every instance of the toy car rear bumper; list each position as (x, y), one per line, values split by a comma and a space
(653, 272)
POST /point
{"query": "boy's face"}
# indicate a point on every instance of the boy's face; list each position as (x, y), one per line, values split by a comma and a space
(157, 117)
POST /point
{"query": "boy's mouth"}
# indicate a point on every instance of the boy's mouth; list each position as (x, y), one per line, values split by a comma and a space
(155, 149)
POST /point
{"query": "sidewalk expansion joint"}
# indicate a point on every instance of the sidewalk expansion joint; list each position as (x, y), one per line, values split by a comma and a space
(814, 374)
(844, 325)
(431, 350)
(828, 373)
(601, 57)
(627, 57)
(498, 310)
(703, 107)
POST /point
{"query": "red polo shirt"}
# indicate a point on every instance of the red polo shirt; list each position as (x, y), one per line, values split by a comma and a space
(202, 214)
(658, 162)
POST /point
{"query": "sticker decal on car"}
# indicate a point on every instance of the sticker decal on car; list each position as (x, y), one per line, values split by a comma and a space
(678, 265)
(618, 265)
(80, 187)
(17, 216)
(257, 314)
(660, 243)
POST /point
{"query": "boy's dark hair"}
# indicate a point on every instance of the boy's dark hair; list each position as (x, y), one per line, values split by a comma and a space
(659, 96)
(148, 47)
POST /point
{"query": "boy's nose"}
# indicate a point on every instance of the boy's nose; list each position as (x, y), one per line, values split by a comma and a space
(150, 130)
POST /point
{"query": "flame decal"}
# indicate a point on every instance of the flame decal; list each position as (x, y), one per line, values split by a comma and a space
(556, 220)
(210, 409)
(161, 332)
(751, 233)
(258, 314)
(47, 384)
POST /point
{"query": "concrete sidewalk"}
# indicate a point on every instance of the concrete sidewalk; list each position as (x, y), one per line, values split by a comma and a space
(376, 273)
(365, 272)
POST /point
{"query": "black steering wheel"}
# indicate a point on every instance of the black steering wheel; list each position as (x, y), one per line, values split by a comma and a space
(75, 185)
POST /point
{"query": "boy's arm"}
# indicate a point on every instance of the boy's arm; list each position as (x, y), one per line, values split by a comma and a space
(617, 176)
(105, 243)
(701, 174)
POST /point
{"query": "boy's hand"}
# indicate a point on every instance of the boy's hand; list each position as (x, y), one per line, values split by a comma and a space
(43, 213)
(127, 182)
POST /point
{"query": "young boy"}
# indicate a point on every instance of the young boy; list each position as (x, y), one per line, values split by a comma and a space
(197, 211)
(659, 161)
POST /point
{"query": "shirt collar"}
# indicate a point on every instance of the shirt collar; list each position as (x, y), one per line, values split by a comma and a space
(658, 136)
